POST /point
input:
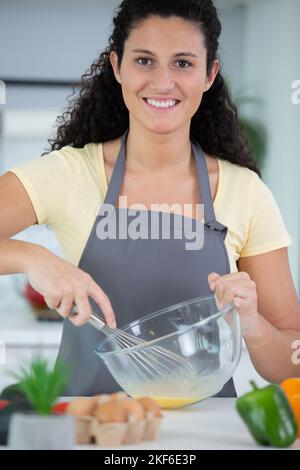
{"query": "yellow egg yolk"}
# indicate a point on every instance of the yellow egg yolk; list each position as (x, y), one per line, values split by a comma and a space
(174, 402)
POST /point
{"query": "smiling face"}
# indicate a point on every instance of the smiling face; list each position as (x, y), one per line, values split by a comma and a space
(163, 73)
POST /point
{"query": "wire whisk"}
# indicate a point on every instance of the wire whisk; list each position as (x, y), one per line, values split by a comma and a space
(154, 362)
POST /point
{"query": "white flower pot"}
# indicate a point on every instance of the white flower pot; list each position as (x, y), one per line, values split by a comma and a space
(38, 432)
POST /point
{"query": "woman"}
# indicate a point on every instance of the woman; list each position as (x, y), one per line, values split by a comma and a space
(154, 123)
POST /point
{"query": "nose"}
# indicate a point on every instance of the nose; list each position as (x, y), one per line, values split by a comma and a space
(162, 79)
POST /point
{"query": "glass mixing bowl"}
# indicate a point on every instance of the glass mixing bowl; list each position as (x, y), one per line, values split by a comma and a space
(180, 355)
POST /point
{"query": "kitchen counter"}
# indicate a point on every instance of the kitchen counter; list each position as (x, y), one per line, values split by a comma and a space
(211, 424)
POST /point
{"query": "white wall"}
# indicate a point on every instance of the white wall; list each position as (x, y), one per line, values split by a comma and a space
(52, 39)
(232, 45)
(271, 64)
(59, 39)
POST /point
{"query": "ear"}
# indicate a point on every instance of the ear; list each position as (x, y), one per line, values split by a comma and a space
(211, 78)
(115, 65)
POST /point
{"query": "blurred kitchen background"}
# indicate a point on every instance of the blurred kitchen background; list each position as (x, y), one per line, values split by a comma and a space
(46, 45)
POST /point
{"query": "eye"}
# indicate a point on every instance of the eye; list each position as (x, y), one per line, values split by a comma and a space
(184, 62)
(142, 60)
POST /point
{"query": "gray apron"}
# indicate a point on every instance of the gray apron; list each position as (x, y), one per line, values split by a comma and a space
(141, 276)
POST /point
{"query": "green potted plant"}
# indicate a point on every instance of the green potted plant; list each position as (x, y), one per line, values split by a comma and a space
(249, 107)
(41, 428)
(254, 129)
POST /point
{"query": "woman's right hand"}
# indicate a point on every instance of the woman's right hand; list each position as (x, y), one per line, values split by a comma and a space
(62, 285)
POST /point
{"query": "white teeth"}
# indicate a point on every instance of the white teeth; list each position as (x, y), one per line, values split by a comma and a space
(161, 104)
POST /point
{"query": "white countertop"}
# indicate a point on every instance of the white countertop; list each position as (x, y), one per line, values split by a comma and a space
(211, 424)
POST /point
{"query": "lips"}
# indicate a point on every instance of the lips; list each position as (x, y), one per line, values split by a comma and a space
(161, 110)
(165, 98)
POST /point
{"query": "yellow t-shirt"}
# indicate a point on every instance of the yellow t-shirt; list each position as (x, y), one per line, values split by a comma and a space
(68, 186)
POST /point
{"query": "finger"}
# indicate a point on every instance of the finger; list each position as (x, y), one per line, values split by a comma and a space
(53, 301)
(99, 296)
(238, 302)
(212, 278)
(218, 303)
(242, 291)
(222, 285)
(245, 297)
(236, 275)
(65, 306)
(215, 279)
(83, 309)
(229, 292)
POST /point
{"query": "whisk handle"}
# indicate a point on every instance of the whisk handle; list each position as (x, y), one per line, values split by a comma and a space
(94, 320)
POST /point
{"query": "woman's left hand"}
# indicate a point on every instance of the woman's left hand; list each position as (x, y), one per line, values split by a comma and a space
(239, 289)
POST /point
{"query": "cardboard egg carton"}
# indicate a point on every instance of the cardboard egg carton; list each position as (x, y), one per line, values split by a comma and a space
(89, 430)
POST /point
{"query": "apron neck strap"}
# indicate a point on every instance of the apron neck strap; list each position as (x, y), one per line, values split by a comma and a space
(118, 174)
(204, 184)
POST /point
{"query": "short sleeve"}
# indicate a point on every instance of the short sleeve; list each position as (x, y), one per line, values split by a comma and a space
(49, 182)
(266, 231)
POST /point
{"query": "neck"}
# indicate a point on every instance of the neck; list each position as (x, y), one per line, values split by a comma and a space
(149, 152)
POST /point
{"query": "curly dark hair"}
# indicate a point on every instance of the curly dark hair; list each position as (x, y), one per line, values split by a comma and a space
(99, 113)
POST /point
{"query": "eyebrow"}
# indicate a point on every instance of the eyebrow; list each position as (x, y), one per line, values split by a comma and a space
(178, 54)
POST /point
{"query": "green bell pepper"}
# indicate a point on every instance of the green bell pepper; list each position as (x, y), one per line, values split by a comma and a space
(268, 415)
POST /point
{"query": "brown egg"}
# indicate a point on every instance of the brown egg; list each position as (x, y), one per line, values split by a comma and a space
(149, 405)
(81, 407)
(119, 396)
(133, 408)
(103, 398)
(110, 412)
